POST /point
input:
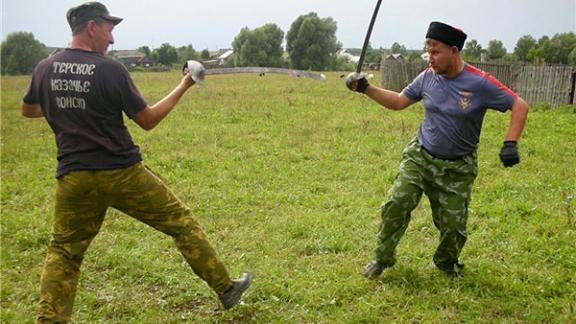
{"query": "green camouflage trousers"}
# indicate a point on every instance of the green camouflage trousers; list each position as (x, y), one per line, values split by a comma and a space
(447, 184)
(82, 198)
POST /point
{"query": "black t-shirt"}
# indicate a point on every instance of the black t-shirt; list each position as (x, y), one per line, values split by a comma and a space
(82, 95)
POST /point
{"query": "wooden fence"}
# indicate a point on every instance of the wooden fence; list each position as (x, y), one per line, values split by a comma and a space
(554, 85)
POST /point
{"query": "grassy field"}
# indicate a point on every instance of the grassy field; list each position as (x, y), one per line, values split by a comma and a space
(287, 175)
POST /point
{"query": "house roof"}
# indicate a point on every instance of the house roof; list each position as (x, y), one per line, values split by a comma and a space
(128, 54)
(226, 55)
(395, 56)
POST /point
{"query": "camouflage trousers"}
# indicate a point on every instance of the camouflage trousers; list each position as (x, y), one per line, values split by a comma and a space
(82, 198)
(447, 184)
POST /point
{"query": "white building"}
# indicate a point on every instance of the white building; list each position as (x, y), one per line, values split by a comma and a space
(348, 56)
(225, 57)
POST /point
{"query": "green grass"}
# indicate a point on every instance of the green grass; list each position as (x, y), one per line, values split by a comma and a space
(286, 175)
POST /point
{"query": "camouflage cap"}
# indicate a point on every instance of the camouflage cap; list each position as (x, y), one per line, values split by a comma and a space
(90, 10)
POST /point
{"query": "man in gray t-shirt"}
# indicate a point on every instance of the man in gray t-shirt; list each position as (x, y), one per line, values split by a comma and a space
(83, 96)
(441, 160)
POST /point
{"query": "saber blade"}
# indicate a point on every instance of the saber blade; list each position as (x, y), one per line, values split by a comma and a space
(296, 73)
(367, 39)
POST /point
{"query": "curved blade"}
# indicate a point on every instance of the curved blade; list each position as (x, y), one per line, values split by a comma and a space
(296, 73)
(367, 39)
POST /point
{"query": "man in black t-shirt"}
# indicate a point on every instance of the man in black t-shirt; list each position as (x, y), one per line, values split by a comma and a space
(82, 94)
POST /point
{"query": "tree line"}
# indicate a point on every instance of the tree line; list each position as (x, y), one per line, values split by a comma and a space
(560, 49)
(311, 44)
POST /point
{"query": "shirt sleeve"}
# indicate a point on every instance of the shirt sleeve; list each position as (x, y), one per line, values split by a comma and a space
(32, 94)
(413, 91)
(126, 91)
(132, 100)
(496, 95)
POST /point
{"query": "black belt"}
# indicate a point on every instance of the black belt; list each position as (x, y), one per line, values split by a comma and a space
(441, 158)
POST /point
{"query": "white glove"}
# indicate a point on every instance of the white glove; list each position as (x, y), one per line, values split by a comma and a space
(196, 70)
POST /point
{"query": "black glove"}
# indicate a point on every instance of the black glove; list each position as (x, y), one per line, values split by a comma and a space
(509, 154)
(357, 82)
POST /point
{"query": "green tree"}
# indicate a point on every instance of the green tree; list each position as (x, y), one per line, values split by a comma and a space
(398, 49)
(414, 56)
(510, 58)
(523, 46)
(186, 53)
(145, 50)
(259, 47)
(165, 55)
(343, 64)
(374, 55)
(559, 47)
(472, 50)
(311, 42)
(205, 54)
(20, 53)
(536, 53)
(495, 50)
(572, 57)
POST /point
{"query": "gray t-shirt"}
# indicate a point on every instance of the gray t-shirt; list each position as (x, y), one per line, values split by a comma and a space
(455, 109)
(82, 95)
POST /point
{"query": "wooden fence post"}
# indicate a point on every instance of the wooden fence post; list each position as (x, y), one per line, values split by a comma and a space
(573, 91)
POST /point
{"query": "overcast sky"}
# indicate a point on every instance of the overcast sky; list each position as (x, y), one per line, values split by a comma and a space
(214, 24)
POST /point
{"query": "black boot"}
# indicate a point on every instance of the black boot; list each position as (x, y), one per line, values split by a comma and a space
(374, 269)
(232, 296)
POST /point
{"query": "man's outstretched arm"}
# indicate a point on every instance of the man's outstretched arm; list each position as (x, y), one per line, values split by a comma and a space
(149, 117)
(386, 98)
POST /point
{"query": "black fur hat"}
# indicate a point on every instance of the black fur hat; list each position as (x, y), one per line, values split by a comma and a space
(446, 34)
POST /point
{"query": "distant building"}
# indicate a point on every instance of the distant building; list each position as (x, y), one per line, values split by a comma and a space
(395, 57)
(219, 58)
(348, 56)
(131, 58)
(225, 57)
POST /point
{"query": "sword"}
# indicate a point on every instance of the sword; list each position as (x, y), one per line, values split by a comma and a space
(198, 72)
(367, 39)
(264, 70)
